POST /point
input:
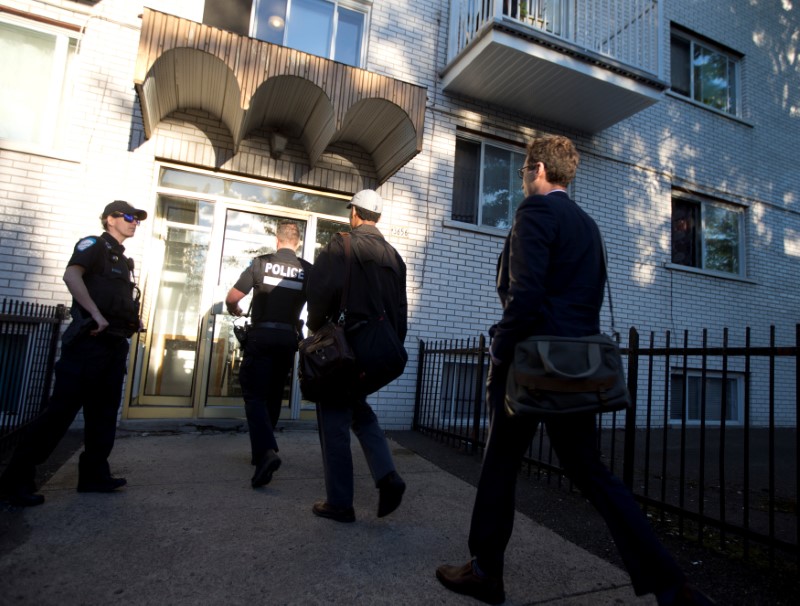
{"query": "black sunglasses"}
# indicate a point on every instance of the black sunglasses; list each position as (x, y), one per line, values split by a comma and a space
(128, 218)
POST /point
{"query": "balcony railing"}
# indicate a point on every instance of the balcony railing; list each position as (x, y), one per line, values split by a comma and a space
(624, 31)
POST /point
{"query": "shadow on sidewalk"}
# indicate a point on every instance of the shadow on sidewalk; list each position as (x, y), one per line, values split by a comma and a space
(727, 579)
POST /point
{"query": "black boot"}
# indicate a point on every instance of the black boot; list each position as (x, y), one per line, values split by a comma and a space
(391, 488)
(269, 464)
(109, 484)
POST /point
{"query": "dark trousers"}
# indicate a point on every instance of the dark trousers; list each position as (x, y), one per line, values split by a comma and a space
(89, 374)
(574, 439)
(268, 358)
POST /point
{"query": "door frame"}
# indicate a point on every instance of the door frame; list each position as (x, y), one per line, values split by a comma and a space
(208, 320)
(212, 296)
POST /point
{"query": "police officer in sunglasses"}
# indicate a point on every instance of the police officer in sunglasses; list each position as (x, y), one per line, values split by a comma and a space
(90, 372)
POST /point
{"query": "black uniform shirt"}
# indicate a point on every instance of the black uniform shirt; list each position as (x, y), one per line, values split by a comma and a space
(107, 276)
(280, 282)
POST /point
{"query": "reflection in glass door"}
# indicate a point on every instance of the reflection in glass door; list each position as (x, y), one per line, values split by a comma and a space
(187, 362)
(184, 232)
(247, 235)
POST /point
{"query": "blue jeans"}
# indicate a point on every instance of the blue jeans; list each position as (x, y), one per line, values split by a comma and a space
(335, 420)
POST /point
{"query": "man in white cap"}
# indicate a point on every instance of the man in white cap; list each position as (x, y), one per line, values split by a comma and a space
(92, 366)
(377, 280)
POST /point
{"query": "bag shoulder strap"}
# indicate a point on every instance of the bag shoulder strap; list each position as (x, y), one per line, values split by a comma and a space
(346, 287)
(614, 331)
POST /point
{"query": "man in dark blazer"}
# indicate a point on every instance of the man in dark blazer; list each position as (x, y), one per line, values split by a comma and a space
(550, 279)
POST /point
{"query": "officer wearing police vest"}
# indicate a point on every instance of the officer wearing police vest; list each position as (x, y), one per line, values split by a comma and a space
(279, 284)
(92, 366)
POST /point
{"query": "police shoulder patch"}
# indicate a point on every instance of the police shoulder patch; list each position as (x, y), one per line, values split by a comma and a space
(85, 243)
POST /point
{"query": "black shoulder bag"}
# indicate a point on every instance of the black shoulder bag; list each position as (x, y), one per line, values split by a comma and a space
(327, 362)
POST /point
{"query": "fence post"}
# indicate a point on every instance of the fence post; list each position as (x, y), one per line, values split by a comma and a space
(418, 391)
(61, 313)
(478, 396)
(629, 453)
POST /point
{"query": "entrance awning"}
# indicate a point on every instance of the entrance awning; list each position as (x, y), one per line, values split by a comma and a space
(252, 85)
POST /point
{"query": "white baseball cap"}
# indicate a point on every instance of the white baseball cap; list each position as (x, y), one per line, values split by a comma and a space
(367, 199)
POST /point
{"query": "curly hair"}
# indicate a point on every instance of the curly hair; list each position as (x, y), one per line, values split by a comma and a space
(559, 156)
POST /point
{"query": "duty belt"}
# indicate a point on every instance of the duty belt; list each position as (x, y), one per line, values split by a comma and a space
(277, 325)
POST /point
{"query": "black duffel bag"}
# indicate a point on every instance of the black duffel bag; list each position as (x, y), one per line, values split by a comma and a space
(327, 363)
(379, 353)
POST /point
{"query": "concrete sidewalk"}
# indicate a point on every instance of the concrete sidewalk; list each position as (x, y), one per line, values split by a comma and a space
(188, 529)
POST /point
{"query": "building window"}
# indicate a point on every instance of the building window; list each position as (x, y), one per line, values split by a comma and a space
(34, 77)
(705, 73)
(707, 234)
(486, 187)
(687, 397)
(333, 29)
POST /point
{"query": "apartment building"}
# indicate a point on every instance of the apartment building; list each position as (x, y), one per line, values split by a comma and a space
(221, 117)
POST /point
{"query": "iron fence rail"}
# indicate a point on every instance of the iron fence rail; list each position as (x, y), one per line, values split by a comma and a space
(711, 446)
(28, 345)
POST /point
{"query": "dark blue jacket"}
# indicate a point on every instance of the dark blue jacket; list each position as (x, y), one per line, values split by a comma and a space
(550, 275)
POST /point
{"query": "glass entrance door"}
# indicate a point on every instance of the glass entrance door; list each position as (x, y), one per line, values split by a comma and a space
(187, 362)
(182, 243)
(246, 235)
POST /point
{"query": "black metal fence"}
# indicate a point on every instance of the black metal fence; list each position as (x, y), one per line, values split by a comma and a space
(711, 449)
(28, 344)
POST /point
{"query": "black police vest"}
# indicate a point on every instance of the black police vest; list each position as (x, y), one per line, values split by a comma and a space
(279, 288)
(112, 290)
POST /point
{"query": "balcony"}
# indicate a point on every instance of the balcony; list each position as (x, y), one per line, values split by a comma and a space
(583, 64)
(255, 87)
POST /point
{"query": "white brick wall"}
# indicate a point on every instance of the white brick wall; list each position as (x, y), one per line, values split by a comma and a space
(625, 180)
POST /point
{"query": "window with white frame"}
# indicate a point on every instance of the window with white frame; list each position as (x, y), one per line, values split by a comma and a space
(689, 397)
(707, 234)
(34, 77)
(486, 187)
(705, 72)
(333, 29)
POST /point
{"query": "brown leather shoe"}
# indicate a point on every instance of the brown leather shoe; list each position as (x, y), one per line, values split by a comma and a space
(466, 581)
(340, 514)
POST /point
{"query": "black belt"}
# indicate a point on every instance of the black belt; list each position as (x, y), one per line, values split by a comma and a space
(278, 325)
